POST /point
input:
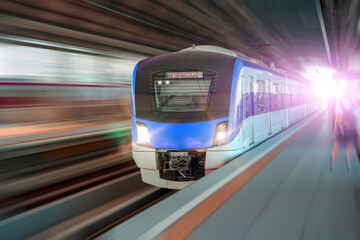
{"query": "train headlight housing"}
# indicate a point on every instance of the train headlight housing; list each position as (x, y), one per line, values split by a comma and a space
(220, 134)
(142, 132)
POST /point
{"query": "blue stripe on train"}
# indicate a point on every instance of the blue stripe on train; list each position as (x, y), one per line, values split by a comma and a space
(188, 135)
(133, 110)
(180, 135)
(133, 90)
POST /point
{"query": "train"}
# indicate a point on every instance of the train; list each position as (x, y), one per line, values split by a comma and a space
(197, 109)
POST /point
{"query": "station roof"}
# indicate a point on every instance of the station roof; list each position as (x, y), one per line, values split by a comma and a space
(291, 34)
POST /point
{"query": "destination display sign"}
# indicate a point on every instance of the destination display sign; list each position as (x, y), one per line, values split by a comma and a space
(176, 75)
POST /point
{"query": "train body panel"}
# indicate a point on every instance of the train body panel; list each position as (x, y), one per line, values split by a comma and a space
(194, 111)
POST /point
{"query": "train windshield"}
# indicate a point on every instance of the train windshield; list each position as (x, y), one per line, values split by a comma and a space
(184, 87)
(183, 92)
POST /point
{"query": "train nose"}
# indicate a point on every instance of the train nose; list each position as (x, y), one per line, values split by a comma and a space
(181, 136)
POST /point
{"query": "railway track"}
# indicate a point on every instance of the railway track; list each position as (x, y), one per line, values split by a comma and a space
(18, 203)
(87, 213)
(74, 200)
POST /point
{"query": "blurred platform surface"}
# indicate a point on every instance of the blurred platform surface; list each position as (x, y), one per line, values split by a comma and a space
(288, 192)
(28, 134)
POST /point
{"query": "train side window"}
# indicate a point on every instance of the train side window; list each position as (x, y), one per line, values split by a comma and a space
(275, 97)
(289, 97)
(282, 94)
(294, 96)
(260, 102)
(302, 95)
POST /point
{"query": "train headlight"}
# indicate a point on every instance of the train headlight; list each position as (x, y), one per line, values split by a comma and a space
(143, 137)
(220, 134)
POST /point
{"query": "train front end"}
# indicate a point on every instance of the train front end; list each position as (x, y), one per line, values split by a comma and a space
(180, 116)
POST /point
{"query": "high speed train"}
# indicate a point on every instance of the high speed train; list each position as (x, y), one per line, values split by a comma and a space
(196, 109)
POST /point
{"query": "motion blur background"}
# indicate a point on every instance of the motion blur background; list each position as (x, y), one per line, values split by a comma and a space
(43, 82)
(73, 60)
(65, 104)
(67, 65)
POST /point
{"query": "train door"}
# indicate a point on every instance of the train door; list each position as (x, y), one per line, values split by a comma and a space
(261, 107)
(269, 103)
(276, 112)
(307, 100)
(287, 103)
(244, 108)
(268, 85)
(296, 109)
(290, 106)
(251, 109)
(283, 105)
(301, 102)
(248, 129)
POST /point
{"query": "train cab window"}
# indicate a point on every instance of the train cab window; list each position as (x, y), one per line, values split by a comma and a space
(259, 98)
(183, 94)
(275, 100)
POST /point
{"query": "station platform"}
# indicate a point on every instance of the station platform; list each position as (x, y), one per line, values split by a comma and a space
(281, 189)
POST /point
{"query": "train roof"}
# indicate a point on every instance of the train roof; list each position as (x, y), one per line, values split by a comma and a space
(250, 62)
(233, 53)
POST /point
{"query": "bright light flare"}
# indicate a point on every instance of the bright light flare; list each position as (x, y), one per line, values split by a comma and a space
(333, 89)
(326, 85)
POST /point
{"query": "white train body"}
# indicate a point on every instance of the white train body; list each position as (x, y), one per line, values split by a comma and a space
(197, 109)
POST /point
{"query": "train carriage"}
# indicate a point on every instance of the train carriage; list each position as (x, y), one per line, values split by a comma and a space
(195, 110)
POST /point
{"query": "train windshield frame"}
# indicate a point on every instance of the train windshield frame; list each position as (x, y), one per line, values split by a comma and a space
(185, 73)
